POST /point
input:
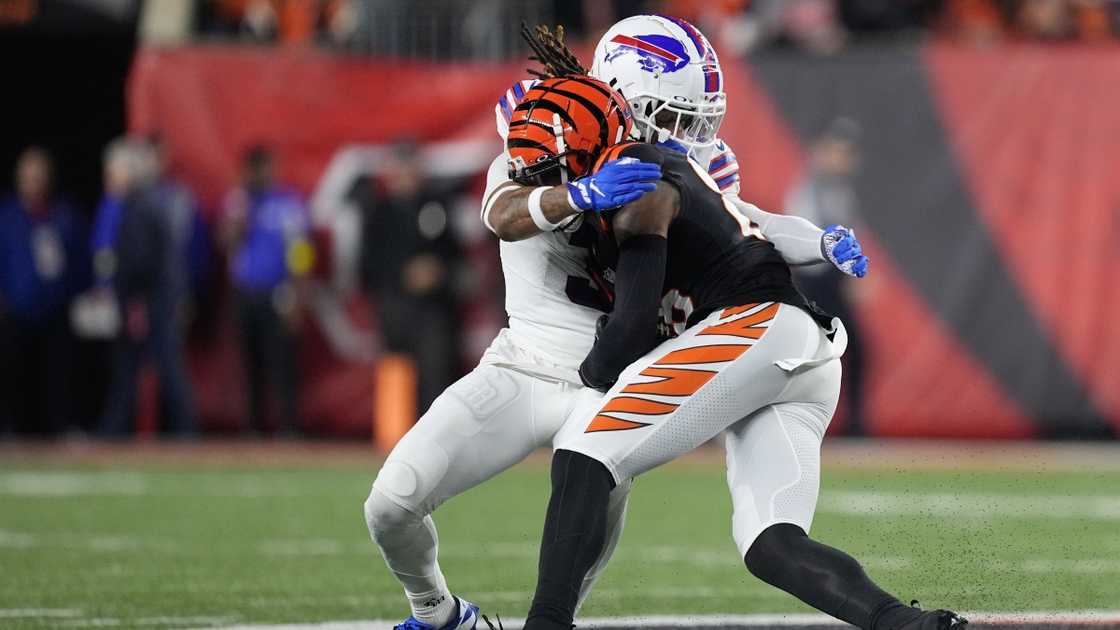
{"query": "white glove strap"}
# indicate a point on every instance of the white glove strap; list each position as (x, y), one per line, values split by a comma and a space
(571, 201)
(537, 214)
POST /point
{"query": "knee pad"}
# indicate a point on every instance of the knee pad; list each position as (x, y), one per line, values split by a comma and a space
(383, 515)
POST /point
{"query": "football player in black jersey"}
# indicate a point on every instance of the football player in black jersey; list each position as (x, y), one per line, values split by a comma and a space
(751, 358)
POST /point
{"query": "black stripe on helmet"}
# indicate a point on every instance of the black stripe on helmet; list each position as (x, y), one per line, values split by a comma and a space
(595, 112)
(607, 92)
(550, 106)
(525, 143)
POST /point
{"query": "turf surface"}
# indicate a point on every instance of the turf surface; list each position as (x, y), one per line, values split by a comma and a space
(149, 544)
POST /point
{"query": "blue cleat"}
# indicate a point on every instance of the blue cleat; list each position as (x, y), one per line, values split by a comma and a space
(465, 619)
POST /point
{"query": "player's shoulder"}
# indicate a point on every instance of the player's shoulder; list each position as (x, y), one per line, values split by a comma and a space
(643, 151)
(508, 101)
(724, 167)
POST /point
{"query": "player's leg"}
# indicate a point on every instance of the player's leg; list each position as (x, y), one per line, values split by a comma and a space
(773, 472)
(484, 423)
(588, 401)
(667, 403)
(616, 520)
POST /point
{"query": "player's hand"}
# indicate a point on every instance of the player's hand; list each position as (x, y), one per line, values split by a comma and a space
(841, 248)
(616, 184)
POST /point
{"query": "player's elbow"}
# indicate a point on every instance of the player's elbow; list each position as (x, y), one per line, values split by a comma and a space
(503, 220)
(506, 228)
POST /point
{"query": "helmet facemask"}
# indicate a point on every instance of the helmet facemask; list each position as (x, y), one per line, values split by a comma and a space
(694, 126)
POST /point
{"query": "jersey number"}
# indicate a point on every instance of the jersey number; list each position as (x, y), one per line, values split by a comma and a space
(745, 225)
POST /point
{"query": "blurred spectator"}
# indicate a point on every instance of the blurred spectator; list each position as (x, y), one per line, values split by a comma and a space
(191, 234)
(409, 258)
(265, 229)
(973, 21)
(139, 252)
(811, 25)
(1044, 19)
(295, 22)
(43, 265)
(826, 196)
(985, 21)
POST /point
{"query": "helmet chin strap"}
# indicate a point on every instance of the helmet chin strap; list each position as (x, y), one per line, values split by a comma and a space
(561, 149)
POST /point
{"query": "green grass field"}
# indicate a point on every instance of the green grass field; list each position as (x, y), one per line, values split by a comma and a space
(209, 543)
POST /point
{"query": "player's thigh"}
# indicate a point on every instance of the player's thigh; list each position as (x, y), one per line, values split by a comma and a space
(773, 468)
(689, 389)
(481, 425)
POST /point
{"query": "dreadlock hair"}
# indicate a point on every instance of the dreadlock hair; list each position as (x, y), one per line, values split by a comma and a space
(550, 51)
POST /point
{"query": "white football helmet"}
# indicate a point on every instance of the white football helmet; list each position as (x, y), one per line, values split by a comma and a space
(669, 74)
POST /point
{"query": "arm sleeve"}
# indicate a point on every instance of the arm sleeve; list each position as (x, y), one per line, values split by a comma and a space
(631, 330)
(796, 239)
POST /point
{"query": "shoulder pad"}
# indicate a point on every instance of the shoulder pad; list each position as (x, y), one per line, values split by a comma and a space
(508, 101)
(724, 168)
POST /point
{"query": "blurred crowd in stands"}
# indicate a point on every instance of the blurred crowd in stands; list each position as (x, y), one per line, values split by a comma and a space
(133, 280)
(483, 28)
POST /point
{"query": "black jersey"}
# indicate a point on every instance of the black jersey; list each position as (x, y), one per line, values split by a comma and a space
(714, 260)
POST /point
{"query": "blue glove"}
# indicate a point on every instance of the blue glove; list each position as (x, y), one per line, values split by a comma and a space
(840, 247)
(616, 184)
(674, 144)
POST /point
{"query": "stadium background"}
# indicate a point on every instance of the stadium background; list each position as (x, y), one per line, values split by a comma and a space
(987, 200)
(976, 159)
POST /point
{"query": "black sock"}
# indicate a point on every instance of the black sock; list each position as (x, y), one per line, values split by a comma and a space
(574, 532)
(823, 577)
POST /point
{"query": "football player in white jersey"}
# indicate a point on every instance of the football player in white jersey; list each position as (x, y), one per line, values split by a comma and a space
(525, 386)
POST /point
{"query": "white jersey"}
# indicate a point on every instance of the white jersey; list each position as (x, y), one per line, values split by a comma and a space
(543, 321)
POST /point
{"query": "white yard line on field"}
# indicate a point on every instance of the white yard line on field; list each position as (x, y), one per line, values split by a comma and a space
(38, 613)
(161, 621)
(1054, 618)
(971, 506)
(15, 540)
(60, 484)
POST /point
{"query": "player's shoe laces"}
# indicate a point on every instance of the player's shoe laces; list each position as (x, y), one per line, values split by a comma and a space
(498, 617)
(465, 619)
(934, 620)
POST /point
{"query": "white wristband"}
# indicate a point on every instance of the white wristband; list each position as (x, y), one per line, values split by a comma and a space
(537, 214)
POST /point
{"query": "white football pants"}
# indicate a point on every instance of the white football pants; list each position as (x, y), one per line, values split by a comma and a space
(766, 373)
(485, 423)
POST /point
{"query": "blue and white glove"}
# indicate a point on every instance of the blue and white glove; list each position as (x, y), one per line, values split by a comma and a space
(674, 144)
(616, 184)
(840, 247)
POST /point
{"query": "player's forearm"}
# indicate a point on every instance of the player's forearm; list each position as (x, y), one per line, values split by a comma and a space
(631, 330)
(796, 239)
(508, 212)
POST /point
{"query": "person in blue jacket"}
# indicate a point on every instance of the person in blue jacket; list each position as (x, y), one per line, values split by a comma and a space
(44, 263)
(266, 232)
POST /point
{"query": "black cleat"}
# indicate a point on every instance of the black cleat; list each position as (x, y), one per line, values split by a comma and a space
(935, 620)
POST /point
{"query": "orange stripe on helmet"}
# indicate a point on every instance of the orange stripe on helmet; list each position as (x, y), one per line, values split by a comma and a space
(591, 118)
(611, 154)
